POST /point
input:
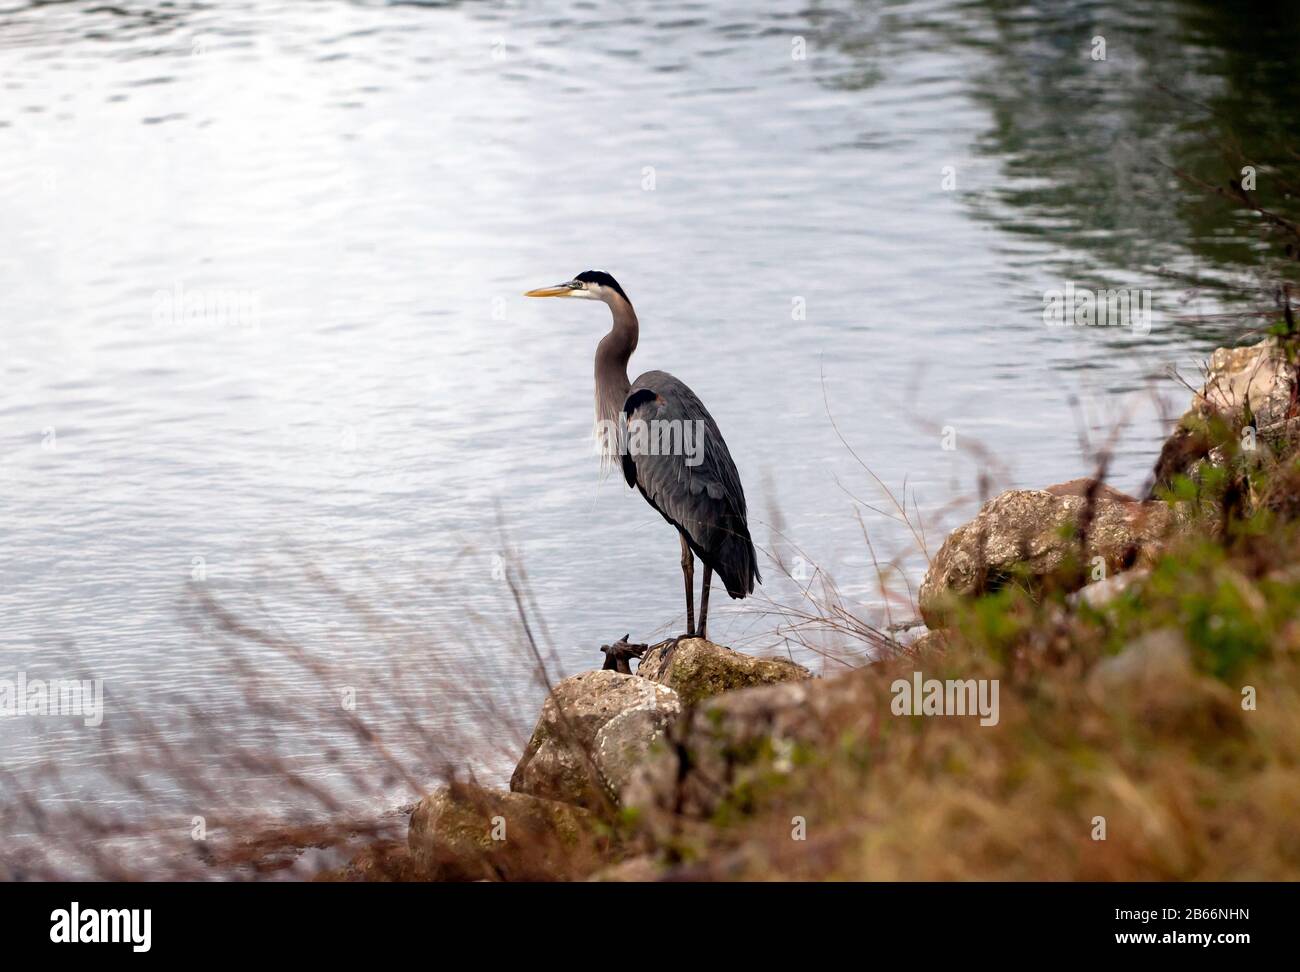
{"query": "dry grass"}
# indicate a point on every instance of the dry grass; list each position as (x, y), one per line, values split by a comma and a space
(321, 760)
(1191, 786)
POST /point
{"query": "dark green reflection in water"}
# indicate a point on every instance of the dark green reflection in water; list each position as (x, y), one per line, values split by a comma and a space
(1082, 151)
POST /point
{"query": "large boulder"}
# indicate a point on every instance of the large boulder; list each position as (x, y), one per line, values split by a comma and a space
(697, 669)
(1257, 378)
(560, 762)
(1255, 383)
(1032, 534)
(468, 833)
(736, 744)
(624, 743)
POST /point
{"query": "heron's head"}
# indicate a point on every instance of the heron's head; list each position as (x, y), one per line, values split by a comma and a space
(588, 285)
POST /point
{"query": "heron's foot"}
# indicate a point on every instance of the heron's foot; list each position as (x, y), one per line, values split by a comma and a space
(619, 654)
(671, 644)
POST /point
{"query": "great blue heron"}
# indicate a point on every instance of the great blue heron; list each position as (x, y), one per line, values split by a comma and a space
(693, 483)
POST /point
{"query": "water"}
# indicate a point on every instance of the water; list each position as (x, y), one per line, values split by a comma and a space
(358, 194)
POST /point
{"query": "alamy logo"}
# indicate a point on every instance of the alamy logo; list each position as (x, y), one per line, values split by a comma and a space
(1079, 307)
(658, 437)
(215, 308)
(132, 925)
(954, 697)
(56, 697)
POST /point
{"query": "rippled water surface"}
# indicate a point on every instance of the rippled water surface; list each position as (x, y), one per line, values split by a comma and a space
(260, 303)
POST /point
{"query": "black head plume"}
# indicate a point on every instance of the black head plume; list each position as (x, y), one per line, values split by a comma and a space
(604, 279)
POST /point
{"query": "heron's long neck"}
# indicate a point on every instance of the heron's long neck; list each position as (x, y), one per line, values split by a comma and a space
(612, 386)
(612, 355)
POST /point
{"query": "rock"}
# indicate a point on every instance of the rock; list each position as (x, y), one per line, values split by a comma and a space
(1154, 679)
(1255, 381)
(1031, 534)
(744, 739)
(1257, 377)
(928, 641)
(467, 833)
(698, 669)
(560, 760)
(1100, 593)
(624, 742)
(1082, 487)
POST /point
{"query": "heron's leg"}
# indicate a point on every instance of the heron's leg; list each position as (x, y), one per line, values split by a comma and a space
(688, 574)
(704, 601)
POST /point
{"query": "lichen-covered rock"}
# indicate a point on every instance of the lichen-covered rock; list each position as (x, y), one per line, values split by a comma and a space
(697, 669)
(560, 760)
(1255, 382)
(624, 742)
(1257, 377)
(740, 741)
(467, 833)
(1031, 534)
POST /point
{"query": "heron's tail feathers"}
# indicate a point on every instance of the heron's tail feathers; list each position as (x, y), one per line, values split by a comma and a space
(736, 562)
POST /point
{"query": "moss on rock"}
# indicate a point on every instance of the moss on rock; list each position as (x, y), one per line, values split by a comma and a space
(697, 669)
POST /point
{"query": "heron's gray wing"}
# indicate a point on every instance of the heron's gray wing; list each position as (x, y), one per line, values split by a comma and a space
(675, 455)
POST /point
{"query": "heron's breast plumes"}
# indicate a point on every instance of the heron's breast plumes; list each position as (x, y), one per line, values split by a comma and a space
(610, 428)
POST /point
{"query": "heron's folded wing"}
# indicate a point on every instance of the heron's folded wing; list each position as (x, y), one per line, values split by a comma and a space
(679, 457)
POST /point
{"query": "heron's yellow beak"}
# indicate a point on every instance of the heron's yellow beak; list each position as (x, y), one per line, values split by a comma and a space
(559, 290)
